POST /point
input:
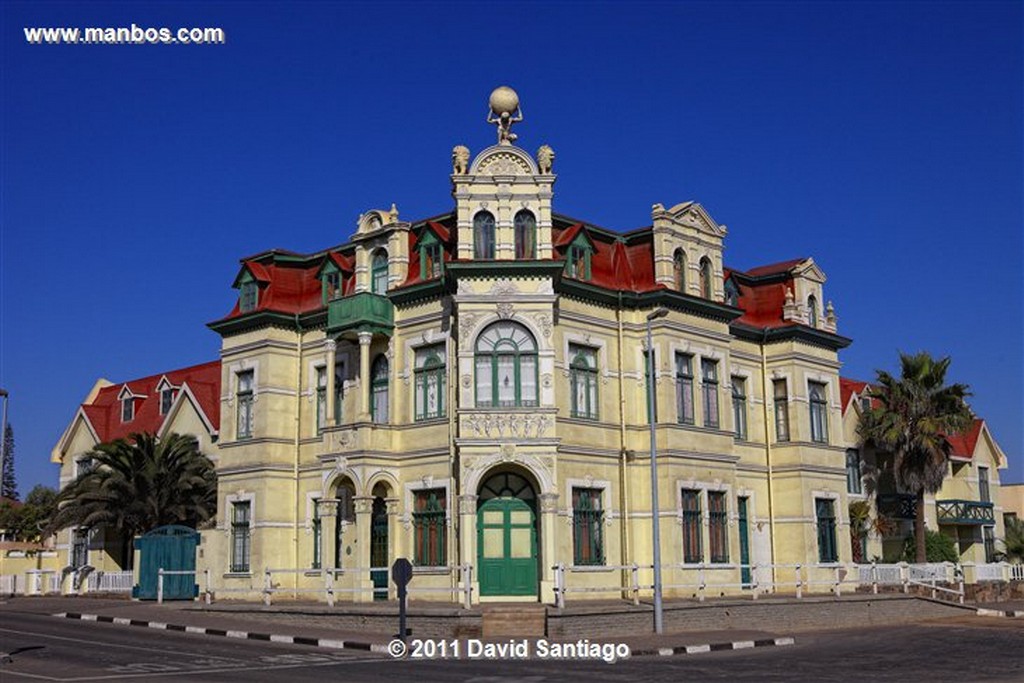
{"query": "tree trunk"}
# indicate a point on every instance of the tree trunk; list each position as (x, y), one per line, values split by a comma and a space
(921, 552)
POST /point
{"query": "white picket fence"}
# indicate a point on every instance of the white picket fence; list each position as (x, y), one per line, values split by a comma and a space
(110, 582)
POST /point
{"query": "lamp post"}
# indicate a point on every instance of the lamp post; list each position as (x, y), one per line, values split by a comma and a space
(3, 441)
(655, 522)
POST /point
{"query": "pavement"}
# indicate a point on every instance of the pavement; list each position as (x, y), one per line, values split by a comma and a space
(281, 625)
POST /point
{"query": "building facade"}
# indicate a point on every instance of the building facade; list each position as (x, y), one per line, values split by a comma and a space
(470, 390)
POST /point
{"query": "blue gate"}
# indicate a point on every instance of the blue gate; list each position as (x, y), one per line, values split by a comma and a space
(171, 548)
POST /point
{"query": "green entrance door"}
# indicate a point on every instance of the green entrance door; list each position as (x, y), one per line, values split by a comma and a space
(507, 547)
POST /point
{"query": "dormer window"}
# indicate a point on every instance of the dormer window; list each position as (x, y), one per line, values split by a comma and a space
(332, 285)
(812, 311)
(127, 409)
(577, 262)
(166, 400)
(248, 295)
(431, 262)
(865, 404)
(732, 294)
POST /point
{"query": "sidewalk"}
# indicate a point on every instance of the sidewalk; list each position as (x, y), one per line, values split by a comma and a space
(285, 625)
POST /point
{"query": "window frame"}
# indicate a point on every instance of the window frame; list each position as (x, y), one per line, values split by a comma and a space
(984, 485)
(430, 527)
(484, 236)
(854, 474)
(818, 407)
(812, 310)
(739, 407)
(380, 381)
(578, 258)
(718, 527)
(431, 367)
(379, 275)
(709, 392)
(431, 257)
(707, 275)
(331, 283)
(166, 399)
(588, 548)
(321, 397)
(495, 355)
(244, 403)
(780, 402)
(684, 389)
(248, 294)
(828, 548)
(78, 553)
(692, 526)
(582, 372)
(525, 235)
(679, 270)
(240, 557)
(127, 408)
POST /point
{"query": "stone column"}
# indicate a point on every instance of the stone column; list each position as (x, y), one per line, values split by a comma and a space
(467, 540)
(548, 558)
(364, 518)
(364, 376)
(396, 543)
(328, 511)
(332, 347)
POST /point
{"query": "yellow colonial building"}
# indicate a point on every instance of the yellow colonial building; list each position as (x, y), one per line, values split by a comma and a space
(469, 391)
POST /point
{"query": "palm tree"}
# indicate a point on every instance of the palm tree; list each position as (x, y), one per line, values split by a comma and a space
(139, 484)
(860, 522)
(914, 415)
(1013, 542)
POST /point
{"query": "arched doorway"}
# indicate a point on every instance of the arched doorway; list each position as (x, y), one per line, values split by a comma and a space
(379, 541)
(507, 535)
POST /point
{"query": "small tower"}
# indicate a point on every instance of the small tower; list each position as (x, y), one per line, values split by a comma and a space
(503, 198)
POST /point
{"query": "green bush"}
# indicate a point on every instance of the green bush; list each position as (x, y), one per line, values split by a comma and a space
(938, 548)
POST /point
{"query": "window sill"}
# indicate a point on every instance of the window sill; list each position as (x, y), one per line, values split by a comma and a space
(834, 564)
(591, 568)
(237, 575)
(439, 419)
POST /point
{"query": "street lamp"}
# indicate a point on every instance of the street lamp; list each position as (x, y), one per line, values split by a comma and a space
(655, 522)
(3, 440)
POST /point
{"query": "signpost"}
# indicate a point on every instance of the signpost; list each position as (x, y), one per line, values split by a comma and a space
(401, 574)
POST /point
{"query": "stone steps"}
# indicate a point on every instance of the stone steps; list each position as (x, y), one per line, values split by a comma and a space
(527, 620)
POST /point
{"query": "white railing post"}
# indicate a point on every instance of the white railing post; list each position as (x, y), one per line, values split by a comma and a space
(160, 586)
(799, 584)
(838, 580)
(634, 572)
(753, 581)
(701, 582)
(874, 577)
(209, 589)
(905, 576)
(959, 571)
(267, 586)
(560, 585)
(328, 577)
(467, 586)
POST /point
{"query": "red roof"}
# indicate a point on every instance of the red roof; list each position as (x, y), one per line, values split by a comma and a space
(618, 263)
(104, 413)
(965, 443)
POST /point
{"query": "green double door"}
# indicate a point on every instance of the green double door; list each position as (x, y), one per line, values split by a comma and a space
(507, 547)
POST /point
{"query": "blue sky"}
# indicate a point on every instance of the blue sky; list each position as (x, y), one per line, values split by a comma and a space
(883, 139)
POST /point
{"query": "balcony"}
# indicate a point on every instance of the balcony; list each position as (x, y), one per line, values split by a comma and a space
(965, 512)
(362, 312)
(897, 505)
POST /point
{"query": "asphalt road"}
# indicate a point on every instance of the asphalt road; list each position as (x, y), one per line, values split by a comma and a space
(963, 650)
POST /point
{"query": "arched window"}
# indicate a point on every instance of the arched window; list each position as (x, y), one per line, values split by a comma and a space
(379, 390)
(583, 381)
(679, 271)
(526, 235)
(379, 272)
(483, 235)
(812, 311)
(506, 366)
(706, 288)
(429, 394)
